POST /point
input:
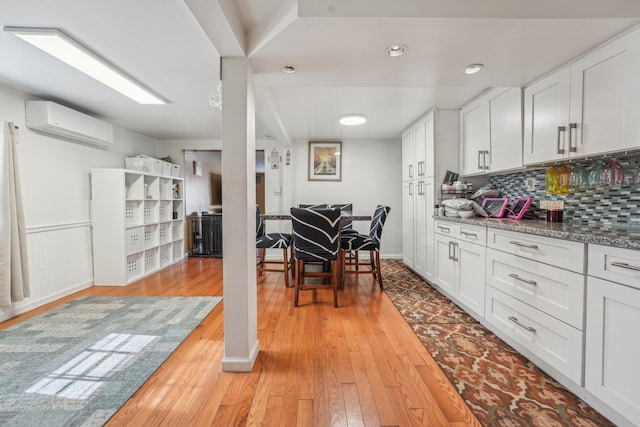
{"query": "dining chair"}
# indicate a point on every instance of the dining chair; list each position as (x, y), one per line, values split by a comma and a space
(266, 241)
(370, 242)
(307, 206)
(316, 239)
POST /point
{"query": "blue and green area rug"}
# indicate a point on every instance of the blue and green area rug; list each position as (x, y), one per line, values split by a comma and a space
(77, 364)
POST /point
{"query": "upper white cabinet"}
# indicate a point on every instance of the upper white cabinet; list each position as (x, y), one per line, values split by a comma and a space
(491, 132)
(589, 107)
(408, 155)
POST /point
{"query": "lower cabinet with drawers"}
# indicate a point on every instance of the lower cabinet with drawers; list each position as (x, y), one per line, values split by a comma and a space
(612, 356)
(572, 308)
(460, 256)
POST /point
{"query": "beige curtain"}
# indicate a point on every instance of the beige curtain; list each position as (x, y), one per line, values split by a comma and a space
(14, 271)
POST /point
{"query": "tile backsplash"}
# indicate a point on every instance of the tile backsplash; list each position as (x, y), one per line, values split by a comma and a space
(618, 205)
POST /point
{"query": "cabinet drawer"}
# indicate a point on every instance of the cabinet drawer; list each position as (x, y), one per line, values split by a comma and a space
(616, 264)
(447, 228)
(553, 341)
(556, 252)
(557, 292)
(473, 234)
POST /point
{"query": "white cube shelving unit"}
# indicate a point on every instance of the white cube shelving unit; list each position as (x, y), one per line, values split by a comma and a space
(138, 224)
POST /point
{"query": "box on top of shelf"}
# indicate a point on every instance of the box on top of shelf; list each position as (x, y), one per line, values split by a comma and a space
(175, 171)
(146, 164)
(166, 168)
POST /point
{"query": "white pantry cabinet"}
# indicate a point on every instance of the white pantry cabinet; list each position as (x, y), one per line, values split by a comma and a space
(491, 132)
(613, 321)
(138, 224)
(588, 107)
(429, 149)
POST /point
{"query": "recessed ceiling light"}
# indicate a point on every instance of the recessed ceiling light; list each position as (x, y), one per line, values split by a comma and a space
(59, 45)
(288, 69)
(473, 68)
(396, 50)
(353, 119)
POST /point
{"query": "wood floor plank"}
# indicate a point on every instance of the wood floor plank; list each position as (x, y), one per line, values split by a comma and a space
(358, 364)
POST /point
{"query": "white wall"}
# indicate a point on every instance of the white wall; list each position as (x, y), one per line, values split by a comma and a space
(55, 175)
(371, 176)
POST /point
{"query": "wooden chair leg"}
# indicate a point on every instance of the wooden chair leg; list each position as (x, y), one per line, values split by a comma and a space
(372, 264)
(357, 260)
(343, 268)
(299, 278)
(336, 266)
(261, 263)
(379, 270)
(292, 263)
(285, 266)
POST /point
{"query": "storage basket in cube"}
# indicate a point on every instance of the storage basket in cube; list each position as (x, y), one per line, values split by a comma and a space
(150, 236)
(134, 239)
(166, 168)
(165, 232)
(175, 170)
(151, 261)
(133, 213)
(165, 255)
(135, 266)
(177, 251)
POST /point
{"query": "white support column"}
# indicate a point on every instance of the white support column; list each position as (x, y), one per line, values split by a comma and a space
(241, 344)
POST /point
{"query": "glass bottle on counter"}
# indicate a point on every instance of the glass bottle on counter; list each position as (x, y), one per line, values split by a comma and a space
(563, 179)
(551, 177)
(595, 175)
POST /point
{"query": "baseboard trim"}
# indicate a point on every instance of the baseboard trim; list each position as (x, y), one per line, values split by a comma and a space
(241, 364)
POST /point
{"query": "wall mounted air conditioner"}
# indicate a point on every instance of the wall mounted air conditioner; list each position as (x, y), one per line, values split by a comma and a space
(56, 119)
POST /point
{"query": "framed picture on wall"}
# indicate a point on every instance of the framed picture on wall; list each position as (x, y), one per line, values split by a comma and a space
(325, 161)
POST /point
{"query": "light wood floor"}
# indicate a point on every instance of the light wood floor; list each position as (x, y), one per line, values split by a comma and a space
(359, 364)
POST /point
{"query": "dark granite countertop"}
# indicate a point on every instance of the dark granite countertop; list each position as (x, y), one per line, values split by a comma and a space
(600, 234)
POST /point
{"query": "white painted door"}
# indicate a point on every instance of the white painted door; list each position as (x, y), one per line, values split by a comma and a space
(612, 350)
(430, 268)
(505, 119)
(604, 88)
(546, 118)
(420, 222)
(408, 195)
(474, 137)
(408, 155)
(471, 280)
(419, 141)
(446, 265)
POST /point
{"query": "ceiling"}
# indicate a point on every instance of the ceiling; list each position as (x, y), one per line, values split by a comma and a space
(338, 46)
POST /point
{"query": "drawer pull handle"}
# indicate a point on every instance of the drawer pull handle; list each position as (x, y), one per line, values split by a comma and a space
(524, 245)
(625, 265)
(465, 233)
(447, 229)
(528, 328)
(531, 282)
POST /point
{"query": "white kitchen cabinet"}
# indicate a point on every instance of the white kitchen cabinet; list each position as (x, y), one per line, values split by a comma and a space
(431, 145)
(588, 107)
(408, 222)
(491, 132)
(613, 321)
(137, 221)
(460, 264)
(553, 341)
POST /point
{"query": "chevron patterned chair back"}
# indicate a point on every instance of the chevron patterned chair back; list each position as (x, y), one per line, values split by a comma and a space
(353, 242)
(266, 241)
(316, 238)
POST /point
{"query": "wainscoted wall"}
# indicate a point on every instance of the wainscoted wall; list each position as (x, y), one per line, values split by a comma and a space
(616, 205)
(60, 263)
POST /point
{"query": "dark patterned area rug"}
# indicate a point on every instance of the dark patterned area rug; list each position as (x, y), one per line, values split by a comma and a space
(77, 364)
(501, 387)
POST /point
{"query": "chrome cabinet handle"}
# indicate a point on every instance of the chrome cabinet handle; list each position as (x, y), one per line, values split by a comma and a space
(524, 245)
(528, 328)
(560, 129)
(484, 159)
(479, 155)
(625, 265)
(572, 149)
(410, 171)
(420, 168)
(531, 282)
(466, 233)
(411, 188)
(447, 229)
(452, 251)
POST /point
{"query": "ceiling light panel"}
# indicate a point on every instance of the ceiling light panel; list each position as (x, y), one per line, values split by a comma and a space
(59, 45)
(353, 119)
